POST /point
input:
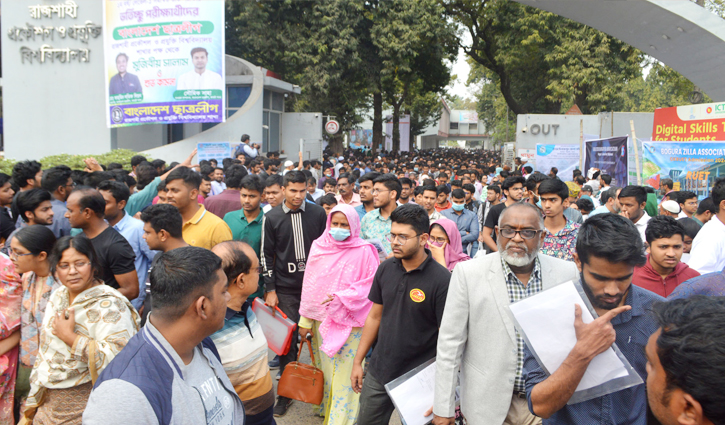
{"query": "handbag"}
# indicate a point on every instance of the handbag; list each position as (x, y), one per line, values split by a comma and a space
(301, 381)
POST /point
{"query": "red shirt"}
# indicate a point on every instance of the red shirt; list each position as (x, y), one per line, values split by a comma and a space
(646, 277)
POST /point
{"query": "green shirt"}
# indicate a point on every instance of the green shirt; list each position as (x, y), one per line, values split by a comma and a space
(143, 198)
(249, 232)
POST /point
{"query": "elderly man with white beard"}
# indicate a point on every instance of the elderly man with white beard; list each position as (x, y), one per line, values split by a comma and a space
(477, 333)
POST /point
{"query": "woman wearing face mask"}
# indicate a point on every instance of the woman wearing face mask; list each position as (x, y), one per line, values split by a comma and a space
(338, 276)
(86, 325)
(445, 243)
(29, 252)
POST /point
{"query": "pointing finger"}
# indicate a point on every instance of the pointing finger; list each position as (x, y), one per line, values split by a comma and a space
(611, 314)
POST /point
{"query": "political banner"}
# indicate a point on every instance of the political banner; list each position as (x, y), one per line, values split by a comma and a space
(164, 61)
(361, 139)
(610, 157)
(693, 166)
(564, 157)
(213, 150)
(690, 123)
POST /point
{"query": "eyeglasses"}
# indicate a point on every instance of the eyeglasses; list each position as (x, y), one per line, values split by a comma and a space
(525, 233)
(14, 255)
(376, 191)
(77, 265)
(438, 240)
(402, 239)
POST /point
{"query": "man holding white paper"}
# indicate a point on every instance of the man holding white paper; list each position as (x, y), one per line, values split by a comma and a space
(477, 332)
(608, 249)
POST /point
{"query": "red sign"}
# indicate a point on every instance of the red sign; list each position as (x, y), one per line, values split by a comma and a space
(705, 122)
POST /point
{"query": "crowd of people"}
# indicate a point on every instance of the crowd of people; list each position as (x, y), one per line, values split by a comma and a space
(126, 294)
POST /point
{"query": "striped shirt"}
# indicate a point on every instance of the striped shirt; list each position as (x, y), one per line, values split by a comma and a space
(243, 351)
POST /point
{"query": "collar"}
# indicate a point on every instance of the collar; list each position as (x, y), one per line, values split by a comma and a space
(288, 210)
(122, 222)
(231, 312)
(634, 299)
(643, 220)
(258, 219)
(198, 216)
(534, 273)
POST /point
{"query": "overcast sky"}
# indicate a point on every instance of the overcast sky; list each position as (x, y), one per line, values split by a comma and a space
(461, 69)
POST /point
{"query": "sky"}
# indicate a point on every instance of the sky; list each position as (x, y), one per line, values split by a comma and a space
(461, 69)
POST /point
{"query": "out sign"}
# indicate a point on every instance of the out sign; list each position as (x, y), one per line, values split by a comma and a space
(332, 127)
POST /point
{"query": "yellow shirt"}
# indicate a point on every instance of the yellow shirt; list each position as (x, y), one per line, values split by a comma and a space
(205, 230)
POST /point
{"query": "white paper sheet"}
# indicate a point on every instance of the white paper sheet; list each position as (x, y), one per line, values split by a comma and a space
(415, 396)
(547, 319)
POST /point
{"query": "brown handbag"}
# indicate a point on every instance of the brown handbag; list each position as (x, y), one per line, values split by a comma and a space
(301, 381)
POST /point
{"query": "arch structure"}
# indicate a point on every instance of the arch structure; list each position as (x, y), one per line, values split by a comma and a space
(679, 33)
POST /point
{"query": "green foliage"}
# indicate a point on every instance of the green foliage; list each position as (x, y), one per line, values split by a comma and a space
(75, 162)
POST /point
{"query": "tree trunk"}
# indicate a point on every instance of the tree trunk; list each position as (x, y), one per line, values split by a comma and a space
(335, 144)
(396, 126)
(377, 121)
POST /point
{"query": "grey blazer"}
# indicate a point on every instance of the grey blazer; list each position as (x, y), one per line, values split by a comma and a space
(478, 335)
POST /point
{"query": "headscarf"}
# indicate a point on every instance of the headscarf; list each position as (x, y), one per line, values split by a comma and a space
(454, 248)
(344, 269)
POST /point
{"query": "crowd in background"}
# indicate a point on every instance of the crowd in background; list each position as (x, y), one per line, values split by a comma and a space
(126, 293)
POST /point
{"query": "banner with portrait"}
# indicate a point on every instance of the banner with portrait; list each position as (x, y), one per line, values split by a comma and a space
(692, 166)
(164, 61)
(610, 157)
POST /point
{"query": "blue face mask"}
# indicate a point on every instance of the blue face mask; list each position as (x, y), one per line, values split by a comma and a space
(415, 169)
(339, 234)
(457, 207)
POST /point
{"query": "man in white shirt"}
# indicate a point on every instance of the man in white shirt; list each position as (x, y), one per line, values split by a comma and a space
(632, 200)
(200, 78)
(708, 247)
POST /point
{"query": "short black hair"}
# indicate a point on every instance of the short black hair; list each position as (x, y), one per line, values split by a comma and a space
(371, 176)
(36, 239)
(311, 181)
(137, 159)
(684, 195)
(636, 192)
(443, 189)
(294, 176)
(585, 205)
(234, 260)
(663, 226)
(95, 178)
(190, 178)
(718, 192)
(91, 199)
(252, 182)
(556, 187)
(54, 178)
(667, 182)
(606, 179)
(24, 171)
(611, 237)
(691, 350)
(118, 190)
(412, 214)
(430, 188)
(327, 199)
(706, 205)
(164, 217)
(350, 178)
(456, 183)
(495, 188)
(469, 187)
(80, 243)
(391, 183)
(580, 180)
(329, 181)
(4, 178)
(234, 175)
(458, 194)
(29, 200)
(690, 226)
(406, 180)
(509, 182)
(274, 179)
(244, 138)
(179, 277)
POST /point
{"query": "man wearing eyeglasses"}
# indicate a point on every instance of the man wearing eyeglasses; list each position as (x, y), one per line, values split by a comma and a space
(513, 189)
(408, 295)
(477, 333)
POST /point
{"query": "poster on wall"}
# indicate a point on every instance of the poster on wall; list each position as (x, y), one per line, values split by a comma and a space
(564, 157)
(361, 139)
(610, 157)
(213, 150)
(527, 154)
(693, 166)
(467, 117)
(690, 123)
(164, 61)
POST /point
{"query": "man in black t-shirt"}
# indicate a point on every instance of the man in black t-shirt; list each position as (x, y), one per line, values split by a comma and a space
(86, 208)
(408, 294)
(513, 188)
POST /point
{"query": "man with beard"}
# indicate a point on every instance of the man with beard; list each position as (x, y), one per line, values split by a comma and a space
(366, 193)
(608, 249)
(477, 327)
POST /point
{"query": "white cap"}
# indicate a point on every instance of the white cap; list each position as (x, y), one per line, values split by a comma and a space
(288, 163)
(671, 206)
(342, 158)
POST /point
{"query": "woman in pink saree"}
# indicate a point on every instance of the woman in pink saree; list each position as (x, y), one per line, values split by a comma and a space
(10, 296)
(334, 306)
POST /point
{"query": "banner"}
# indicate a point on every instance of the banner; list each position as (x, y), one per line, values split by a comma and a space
(527, 154)
(610, 157)
(164, 61)
(213, 150)
(467, 117)
(692, 166)
(690, 123)
(564, 157)
(361, 139)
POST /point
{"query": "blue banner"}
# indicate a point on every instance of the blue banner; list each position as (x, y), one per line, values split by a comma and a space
(691, 166)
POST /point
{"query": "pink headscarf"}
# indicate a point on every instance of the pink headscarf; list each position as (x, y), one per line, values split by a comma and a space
(454, 248)
(343, 269)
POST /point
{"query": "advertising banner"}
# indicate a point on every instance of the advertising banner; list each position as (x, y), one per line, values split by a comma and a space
(164, 61)
(610, 157)
(361, 139)
(690, 123)
(467, 117)
(213, 150)
(564, 157)
(527, 154)
(692, 166)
